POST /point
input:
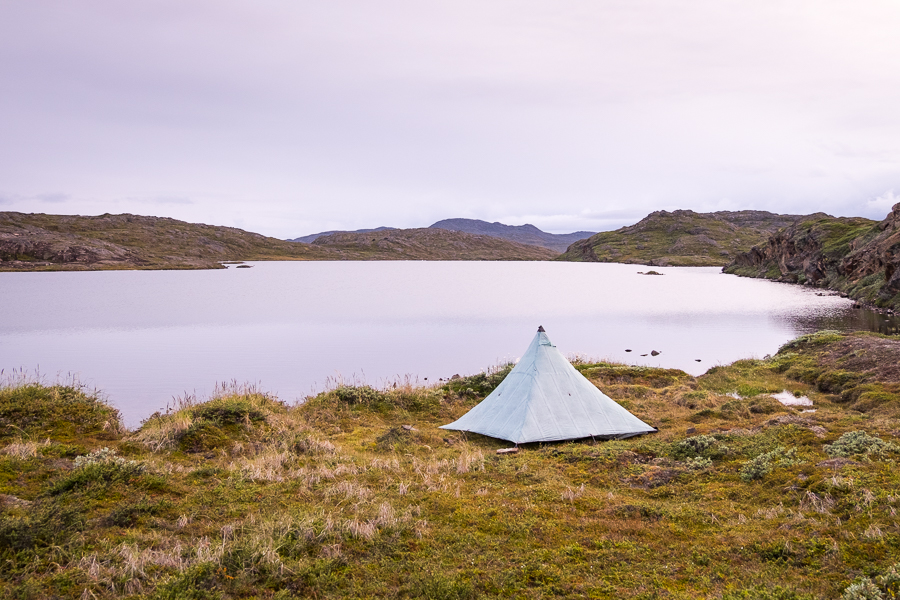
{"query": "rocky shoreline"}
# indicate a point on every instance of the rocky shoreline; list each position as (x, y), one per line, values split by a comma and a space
(856, 257)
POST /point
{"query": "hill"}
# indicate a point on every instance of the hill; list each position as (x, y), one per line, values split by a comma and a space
(356, 493)
(40, 241)
(854, 255)
(680, 238)
(54, 242)
(429, 244)
(523, 234)
(309, 239)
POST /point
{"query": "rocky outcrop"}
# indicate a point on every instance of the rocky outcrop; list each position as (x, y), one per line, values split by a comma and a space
(853, 255)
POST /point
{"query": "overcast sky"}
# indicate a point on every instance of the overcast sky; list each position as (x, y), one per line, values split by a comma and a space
(292, 117)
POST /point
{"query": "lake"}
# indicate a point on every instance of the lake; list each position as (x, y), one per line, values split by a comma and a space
(293, 328)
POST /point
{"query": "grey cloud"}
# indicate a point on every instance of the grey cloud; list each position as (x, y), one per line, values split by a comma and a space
(347, 114)
(53, 198)
(163, 200)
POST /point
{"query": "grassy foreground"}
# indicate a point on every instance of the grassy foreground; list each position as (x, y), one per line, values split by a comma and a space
(357, 493)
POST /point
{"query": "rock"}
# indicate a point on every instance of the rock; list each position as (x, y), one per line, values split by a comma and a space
(8, 500)
(818, 430)
(508, 451)
(655, 353)
(656, 476)
(455, 377)
(409, 428)
(837, 463)
(691, 430)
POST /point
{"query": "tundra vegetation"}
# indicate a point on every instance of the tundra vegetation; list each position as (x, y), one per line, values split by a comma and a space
(357, 493)
(30, 242)
(681, 238)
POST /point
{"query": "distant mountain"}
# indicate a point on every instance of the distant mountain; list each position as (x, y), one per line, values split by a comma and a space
(429, 244)
(854, 255)
(309, 239)
(523, 234)
(681, 238)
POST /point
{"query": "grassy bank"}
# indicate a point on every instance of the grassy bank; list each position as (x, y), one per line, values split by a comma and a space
(357, 493)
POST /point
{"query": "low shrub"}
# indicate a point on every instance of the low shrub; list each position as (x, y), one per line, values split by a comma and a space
(859, 442)
(128, 515)
(868, 401)
(228, 410)
(202, 436)
(55, 411)
(442, 587)
(774, 593)
(480, 384)
(762, 465)
(693, 446)
(835, 382)
(357, 394)
(765, 405)
(864, 589)
(101, 467)
(698, 463)
(45, 524)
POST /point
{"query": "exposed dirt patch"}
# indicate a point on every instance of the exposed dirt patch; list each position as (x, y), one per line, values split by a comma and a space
(875, 356)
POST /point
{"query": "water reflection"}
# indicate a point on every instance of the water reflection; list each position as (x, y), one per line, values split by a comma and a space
(146, 336)
(846, 319)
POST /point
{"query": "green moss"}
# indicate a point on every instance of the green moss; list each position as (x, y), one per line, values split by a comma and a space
(868, 401)
(835, 382)
(59, 412)
(203, 436)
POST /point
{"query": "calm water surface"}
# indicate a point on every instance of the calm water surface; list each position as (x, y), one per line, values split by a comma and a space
(144, 337)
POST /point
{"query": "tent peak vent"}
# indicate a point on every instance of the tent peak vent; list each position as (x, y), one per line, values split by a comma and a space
(541, 329)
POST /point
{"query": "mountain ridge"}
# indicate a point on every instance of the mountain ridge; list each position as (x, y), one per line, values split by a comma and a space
(523, 234)
(309, 239)
(30, 242)
(431, 244)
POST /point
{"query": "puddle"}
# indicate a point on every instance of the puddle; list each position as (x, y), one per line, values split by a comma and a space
(789, 399)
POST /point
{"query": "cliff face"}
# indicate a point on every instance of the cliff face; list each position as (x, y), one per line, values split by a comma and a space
(853, 255)
(680, 238)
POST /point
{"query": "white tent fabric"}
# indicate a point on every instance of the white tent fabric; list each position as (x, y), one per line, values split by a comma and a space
(544, 399)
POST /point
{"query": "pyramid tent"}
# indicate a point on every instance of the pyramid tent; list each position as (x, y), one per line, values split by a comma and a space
(545, 399)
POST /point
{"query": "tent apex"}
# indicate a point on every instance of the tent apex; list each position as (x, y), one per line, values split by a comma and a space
(541, 329)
